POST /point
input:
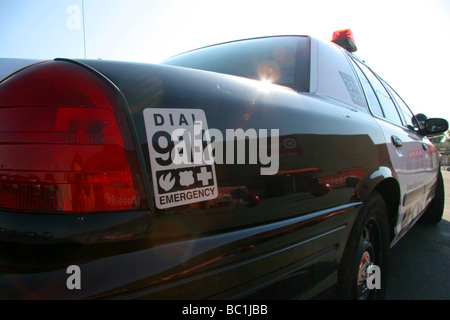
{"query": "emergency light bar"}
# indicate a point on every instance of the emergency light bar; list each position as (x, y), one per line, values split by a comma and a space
(345, 39)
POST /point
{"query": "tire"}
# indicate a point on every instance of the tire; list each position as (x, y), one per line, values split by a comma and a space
(368, 243)
(433, 214)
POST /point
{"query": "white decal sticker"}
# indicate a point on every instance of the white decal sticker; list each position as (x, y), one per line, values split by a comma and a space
(183, 170)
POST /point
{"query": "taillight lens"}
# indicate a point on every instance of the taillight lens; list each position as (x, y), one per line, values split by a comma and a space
(64, 142)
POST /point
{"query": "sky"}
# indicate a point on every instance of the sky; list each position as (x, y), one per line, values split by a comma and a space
(407, 42)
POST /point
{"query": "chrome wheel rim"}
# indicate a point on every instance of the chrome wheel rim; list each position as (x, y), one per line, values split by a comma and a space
(368, 255)
(362, 290)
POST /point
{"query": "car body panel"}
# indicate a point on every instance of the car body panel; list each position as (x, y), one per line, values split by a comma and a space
(264, 107)
(416, 169)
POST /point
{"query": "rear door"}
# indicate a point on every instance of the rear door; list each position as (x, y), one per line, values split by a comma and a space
(411, 154)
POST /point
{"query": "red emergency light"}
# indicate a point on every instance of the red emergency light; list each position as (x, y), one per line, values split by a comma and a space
(345, 39)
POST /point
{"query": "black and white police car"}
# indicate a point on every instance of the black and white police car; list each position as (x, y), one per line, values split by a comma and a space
(277, 168)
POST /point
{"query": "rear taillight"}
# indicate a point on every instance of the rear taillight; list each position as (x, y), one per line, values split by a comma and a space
(64, 142)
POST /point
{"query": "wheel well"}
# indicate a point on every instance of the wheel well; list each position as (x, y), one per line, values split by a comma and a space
(390, 191)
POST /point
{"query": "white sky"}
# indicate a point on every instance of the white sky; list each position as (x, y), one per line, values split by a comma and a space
(407, 42)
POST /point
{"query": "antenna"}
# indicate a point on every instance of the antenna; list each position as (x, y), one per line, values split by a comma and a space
(84, 28)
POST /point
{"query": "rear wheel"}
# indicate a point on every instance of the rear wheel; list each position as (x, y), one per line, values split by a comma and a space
(435, 210)
(367, 249)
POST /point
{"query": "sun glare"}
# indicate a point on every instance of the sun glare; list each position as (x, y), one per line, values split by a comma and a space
(264, 85)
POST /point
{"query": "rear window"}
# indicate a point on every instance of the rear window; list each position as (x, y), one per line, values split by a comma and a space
(283, 60)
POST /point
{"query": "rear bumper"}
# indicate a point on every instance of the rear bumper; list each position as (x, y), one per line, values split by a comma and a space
(292, 258)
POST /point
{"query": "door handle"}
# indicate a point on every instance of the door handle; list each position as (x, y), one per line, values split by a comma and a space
(425, 147)
(397, 141)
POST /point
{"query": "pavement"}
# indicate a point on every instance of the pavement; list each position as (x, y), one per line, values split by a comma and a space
(420, 261)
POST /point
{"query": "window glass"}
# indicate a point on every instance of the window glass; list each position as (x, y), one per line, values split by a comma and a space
(281, 60)
(403, 107)
(388, 106)
(374, 105)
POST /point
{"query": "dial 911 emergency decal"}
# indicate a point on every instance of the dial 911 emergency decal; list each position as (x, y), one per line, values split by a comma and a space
(183, 169)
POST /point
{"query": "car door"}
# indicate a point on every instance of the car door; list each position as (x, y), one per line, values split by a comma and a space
(411, 155)
(424, 159)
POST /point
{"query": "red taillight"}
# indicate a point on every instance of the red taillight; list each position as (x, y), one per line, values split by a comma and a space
(64, 143)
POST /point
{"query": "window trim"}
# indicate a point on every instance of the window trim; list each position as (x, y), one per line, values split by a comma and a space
(354, 65)
(403, 125)
(402, 116)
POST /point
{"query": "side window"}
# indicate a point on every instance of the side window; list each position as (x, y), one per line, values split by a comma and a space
(374, 105)
(388, 106)
(403, 107)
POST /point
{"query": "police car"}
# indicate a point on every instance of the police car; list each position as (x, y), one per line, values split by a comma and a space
(272, 168)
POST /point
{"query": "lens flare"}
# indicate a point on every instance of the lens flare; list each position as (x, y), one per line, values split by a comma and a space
(269, 71)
